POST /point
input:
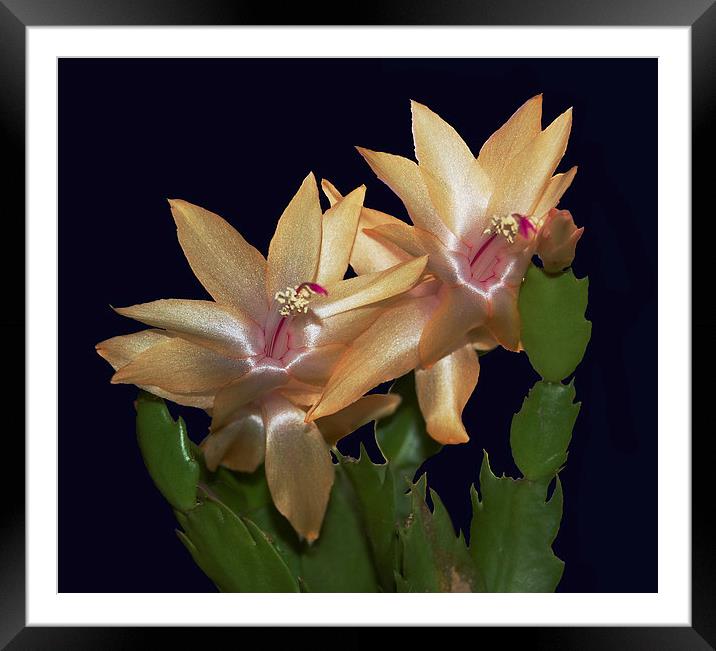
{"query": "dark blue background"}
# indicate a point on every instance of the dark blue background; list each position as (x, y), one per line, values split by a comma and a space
(237, 137)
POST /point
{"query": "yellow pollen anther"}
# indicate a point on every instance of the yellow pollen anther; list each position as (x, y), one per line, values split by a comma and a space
(294, 300)
(506, 226)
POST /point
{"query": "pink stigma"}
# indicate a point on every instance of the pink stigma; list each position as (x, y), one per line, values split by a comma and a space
(527, 228)
(314, 288)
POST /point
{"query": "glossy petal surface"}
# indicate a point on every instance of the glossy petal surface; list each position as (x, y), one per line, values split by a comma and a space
(299, 470)
(230, 269)
(443, 391)
(296, 245)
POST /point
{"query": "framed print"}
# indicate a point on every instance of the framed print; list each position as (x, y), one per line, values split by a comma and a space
(355, 317)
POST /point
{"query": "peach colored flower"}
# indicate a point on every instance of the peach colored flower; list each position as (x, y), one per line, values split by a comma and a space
(479, 220)
(260, 353)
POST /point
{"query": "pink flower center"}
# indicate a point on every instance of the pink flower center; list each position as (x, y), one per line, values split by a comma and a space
(495, 243)
(292, 302)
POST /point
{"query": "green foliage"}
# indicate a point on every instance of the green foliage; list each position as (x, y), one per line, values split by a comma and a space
(434, 558)
(166, 450)
(554, 331)
(542, 429)
(404, 442)
(373, 487)
(232, 551)
(513, 527)
(340, 560)
(235, 534)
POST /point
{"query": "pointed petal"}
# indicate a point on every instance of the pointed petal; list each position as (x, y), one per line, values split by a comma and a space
(239, 445)
(368, 289)
(446, 162)
(299, 469)
(331, 192)
(511, 138)
(460, 310)
(226, 330)
(248, 388)
(366, 409)
(370, 255)
(525, 178)
(403, 177)
(443, 391)
(230, 269)
(558, 185)
(340, 223)
(120, 351)
(398, 234)
(180, 366)
(386, 350)
(458, 186)
(296, 245)
(438, 147)
(462, 204)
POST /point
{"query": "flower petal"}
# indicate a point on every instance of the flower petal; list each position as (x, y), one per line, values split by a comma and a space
(386, 350)
(296, 245)
(504, 321)
(524, 179)
(511, 138)
(403, 177)
(299, 469)
(340, 223)
(369, 255)
(313, 365)
(248, 388)
(450, 266)
(458, 186)
(438, 147)
(331, 192)
(230, 269)
(558, 185)
(461, 205)
(460, 310)
(226, 330)
(398, 234)
(342, 328)
(364, 410)
(179, 366)
(239, 445)
(482, 339)
(368, 289)
(443, 391)
(120, 351)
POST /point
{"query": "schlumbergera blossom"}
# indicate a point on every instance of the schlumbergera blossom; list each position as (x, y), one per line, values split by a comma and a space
(480, 220)
(259, 354)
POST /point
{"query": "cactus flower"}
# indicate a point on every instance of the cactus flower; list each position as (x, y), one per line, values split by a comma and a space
(259, 354)
(479, 219)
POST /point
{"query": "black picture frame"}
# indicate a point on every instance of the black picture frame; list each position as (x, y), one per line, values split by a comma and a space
(17, 15)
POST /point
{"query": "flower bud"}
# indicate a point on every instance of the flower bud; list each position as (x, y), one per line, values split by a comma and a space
(557, 240)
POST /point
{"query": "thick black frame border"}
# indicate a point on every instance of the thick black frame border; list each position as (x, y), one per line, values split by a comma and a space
(16, 15)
